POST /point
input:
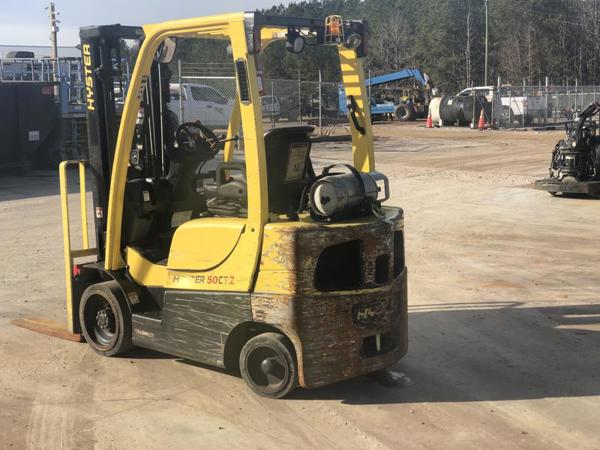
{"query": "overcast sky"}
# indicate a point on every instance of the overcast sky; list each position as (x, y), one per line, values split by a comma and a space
(25, 22)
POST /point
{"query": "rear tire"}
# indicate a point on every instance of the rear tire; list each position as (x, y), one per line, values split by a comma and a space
(405, 113)
(105, 319)
(268, 365)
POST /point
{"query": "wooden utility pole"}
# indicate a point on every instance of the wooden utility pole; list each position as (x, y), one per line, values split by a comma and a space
(468, 49)
(486, 44)
(53, 39)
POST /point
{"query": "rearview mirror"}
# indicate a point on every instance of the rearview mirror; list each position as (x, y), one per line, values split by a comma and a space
(295, 42)
(166, 51)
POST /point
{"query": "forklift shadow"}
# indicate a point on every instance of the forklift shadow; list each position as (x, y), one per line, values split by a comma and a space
(491, 351)
(578, 197)
(38, 183)
(144, 353)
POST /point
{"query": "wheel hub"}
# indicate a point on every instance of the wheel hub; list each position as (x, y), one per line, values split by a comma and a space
(104, 319)
(267, 365)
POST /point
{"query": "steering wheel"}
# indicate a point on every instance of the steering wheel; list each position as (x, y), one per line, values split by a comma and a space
(194, 142)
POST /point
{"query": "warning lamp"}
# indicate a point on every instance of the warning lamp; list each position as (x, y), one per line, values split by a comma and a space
(334, 30)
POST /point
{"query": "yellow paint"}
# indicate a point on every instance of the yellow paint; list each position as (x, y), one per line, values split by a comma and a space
(232, 130)
(83, 205)
(354, 84)
(88, 77)
(203, 244)
(145, 272)
(69, 253)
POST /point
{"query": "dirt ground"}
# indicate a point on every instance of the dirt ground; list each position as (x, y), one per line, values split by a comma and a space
(504, 320)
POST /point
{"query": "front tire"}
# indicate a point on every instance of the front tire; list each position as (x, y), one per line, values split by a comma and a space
(105, 319)
(268, 365)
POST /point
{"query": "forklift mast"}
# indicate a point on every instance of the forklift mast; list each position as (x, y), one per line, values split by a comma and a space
(102, 56)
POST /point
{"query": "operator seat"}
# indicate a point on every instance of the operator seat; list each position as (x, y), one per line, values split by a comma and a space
(138, 210)
(289, 169)
(178, 198)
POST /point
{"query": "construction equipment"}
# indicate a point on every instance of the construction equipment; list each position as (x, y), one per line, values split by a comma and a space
(235, 263)
(575, 164)
(403, 104)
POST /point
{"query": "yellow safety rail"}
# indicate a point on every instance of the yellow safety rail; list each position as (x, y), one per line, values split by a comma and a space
(71, 255)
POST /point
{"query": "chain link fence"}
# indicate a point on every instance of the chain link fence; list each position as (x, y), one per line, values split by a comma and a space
(210, 90)
(535, 106)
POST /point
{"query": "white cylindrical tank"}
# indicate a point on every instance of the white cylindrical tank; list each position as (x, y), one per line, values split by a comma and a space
(434, 108)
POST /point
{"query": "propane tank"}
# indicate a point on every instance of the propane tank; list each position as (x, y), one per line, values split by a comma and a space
(336, 195)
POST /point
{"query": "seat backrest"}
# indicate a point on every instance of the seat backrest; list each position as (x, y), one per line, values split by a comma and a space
(138, 210)
(288, 167)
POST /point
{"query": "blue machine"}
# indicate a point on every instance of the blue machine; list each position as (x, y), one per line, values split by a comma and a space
(386, 109)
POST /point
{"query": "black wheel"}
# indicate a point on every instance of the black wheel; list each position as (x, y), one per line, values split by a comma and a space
(268, 365)
(105, 319)
(405, 113)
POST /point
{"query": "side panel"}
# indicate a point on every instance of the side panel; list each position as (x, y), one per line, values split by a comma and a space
(203, 244)
(9, 125)
(192, 325)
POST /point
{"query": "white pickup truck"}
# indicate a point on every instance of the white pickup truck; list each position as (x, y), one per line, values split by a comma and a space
(509, 107)
(200, 102)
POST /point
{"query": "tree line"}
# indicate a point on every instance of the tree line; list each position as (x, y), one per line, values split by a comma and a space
(528, 40)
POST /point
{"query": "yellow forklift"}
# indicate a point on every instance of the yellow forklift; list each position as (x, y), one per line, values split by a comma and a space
(223, 246)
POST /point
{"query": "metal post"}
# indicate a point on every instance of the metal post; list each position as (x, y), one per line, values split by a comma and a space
(272, 104)
(127, 79)
(180, 72)
(546, 105)
(576, 86)
(473, 114)
(369, 86)
(54, 44)
(524, 112)
(497, 99)
(510, 108)
(320, 104)
(299, 97)
(567, 95)
(494, 93)
(486, 44)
